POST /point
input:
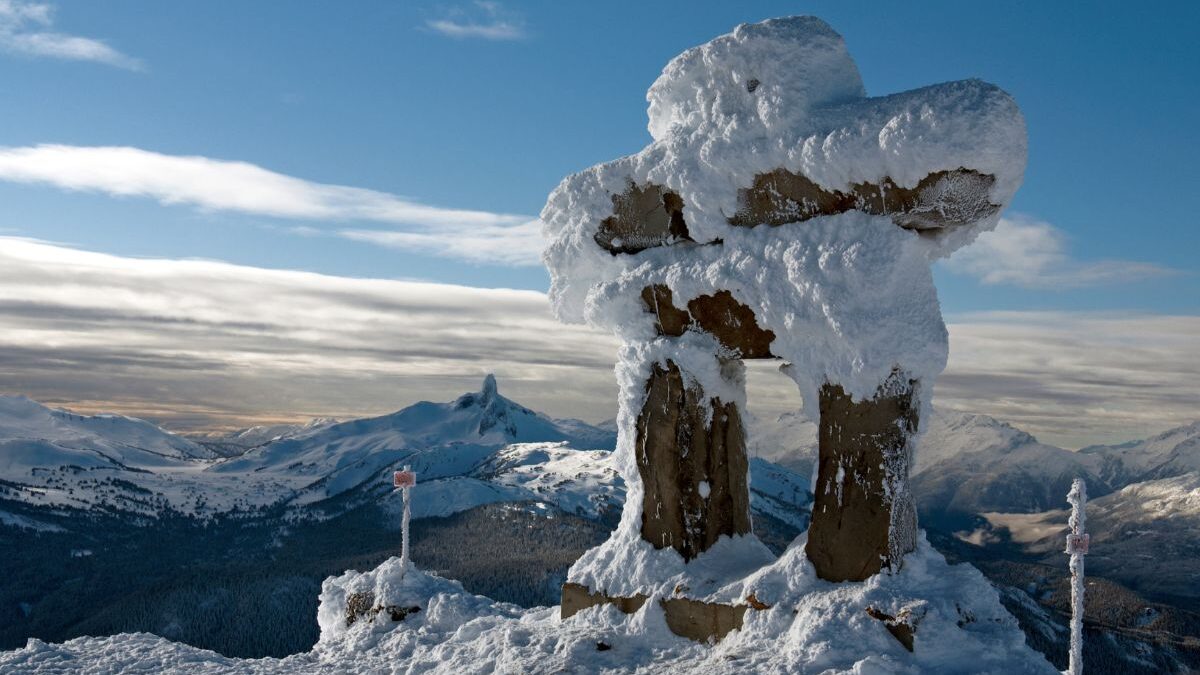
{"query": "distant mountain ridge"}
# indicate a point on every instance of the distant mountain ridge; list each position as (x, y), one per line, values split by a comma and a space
(494, 470)
(251, 437)
(1171, 453)
(111, 436)
(966, 464)
(479, 449)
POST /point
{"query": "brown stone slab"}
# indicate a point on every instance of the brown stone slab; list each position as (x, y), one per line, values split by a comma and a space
(863, 518)
(720, 314)
(692, 619)
(577, 597)
(941, 200)
(702, 621)
(643, 217)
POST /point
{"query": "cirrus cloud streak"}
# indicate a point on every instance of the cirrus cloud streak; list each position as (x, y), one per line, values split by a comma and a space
(26, 29)
(242, 187)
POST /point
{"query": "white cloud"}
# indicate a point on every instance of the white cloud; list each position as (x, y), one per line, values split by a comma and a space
(519, 245)
(25, 28)
(1026, 252)
(196, 342)
(245, 342)
(212, 184)
(1075, 378)
(486, 20)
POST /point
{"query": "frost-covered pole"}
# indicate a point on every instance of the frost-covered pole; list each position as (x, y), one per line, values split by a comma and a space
(404, 480)
(1077, 547)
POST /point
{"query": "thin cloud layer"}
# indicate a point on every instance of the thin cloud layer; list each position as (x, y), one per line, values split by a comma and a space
(1030, 253)
(26, 29)
(1073, 378)
(484, 20)
(221, 185)
(516, 246)
(250, 343)
(203, 344)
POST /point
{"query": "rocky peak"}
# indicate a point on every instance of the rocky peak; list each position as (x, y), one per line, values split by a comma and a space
(489, 391)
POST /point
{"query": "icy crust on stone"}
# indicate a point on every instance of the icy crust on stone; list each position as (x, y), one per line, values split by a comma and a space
(837, 280)
(812, 626)
(626, 564)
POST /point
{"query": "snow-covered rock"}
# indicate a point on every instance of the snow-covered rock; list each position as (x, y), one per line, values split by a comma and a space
(848, 295)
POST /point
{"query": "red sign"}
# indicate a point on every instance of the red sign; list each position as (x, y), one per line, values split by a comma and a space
(1078, 543)
(404, 479)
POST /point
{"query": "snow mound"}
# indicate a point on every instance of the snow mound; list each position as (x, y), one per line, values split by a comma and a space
(442, 605)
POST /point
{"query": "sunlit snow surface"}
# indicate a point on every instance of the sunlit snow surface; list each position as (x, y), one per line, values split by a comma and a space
(813, 626)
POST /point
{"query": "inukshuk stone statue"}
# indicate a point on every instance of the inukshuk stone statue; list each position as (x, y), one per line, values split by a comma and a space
(778, 213)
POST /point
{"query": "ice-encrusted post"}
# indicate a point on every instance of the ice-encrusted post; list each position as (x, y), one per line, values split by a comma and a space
(1077, 547)
(404, 481)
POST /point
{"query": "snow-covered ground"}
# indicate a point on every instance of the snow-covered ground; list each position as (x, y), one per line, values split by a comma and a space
(812, 626)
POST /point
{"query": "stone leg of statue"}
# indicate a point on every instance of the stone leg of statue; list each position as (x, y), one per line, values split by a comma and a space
(691, 454)
(864, 519)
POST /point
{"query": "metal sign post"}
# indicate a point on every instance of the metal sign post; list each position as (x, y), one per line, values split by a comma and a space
(1077, 547)
(404, 480)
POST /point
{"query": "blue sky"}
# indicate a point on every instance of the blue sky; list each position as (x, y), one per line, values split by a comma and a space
(485, 107)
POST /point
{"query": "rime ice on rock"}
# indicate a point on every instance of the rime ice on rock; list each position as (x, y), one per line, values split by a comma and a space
(778, 213)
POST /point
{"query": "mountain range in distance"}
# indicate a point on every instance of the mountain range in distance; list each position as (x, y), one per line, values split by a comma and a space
(315, 498)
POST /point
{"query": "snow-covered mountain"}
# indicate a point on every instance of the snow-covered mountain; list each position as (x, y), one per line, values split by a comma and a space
(968, 464)
(110, 439)
(480, 449)
(1166, 455)
(252, 437)
(438, 440)
(483, 448)
(1146, 535)
(483, 460)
